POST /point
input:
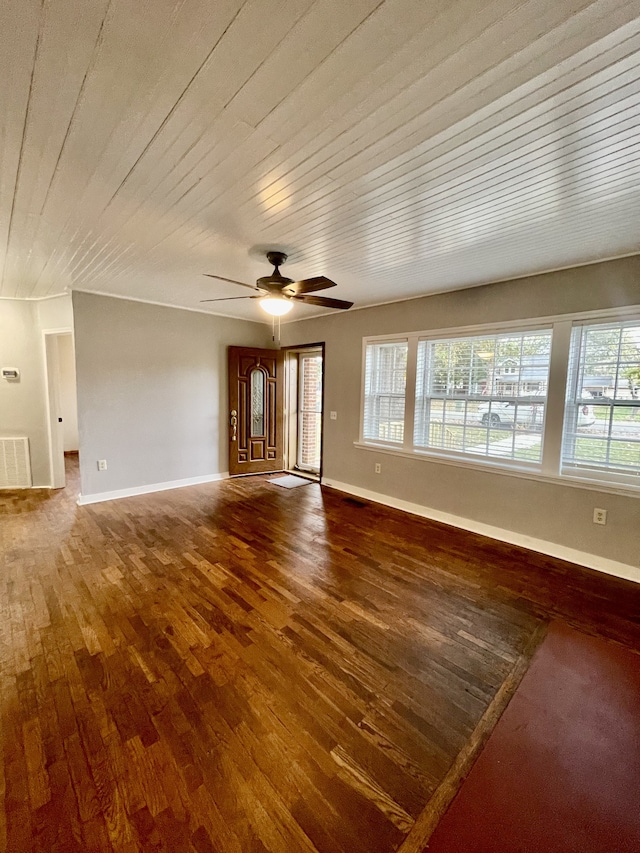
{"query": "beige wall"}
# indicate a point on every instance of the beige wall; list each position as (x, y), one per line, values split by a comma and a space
(23, 405)
(55, 314)
(152, 391)
(553, 512)
(23, 410)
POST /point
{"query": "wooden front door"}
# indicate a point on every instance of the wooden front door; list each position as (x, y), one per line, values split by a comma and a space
(256, 410)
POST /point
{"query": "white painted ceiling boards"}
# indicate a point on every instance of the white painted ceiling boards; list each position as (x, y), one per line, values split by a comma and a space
(400, 147)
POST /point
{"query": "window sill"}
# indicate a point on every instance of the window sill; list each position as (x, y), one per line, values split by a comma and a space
(491, 467)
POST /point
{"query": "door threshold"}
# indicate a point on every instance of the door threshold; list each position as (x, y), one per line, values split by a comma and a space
(305, 475)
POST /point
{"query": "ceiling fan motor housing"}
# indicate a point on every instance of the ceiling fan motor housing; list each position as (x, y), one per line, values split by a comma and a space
(275, 282)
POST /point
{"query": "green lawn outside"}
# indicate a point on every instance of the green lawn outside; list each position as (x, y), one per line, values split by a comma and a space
(475, 436)
(589, 448)
(622, 414)
(624, 453)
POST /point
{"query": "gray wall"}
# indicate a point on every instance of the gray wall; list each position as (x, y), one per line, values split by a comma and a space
(23, 408)
(152, 391)
(554, 512)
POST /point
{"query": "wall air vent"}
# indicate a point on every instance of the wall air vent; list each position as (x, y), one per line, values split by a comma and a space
(15, 464)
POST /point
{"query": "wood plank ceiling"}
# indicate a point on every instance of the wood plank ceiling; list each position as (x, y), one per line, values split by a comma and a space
(399, 146)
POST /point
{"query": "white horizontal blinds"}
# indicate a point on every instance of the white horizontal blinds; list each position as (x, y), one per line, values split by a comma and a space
(483, 395)
(384, 396)
(602, 414)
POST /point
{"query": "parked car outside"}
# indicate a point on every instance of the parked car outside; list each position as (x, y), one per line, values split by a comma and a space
(528, 414)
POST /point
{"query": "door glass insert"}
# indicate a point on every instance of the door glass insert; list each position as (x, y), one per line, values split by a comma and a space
(257, 403)
(309, 412)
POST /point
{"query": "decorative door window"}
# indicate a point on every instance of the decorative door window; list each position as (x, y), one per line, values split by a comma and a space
(258, 394)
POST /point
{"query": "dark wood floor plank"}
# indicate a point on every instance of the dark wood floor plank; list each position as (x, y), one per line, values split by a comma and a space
(241, 669)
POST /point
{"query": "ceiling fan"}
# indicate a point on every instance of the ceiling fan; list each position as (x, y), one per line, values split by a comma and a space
(277, 293)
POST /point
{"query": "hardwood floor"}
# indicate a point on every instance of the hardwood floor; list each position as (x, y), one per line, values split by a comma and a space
(241, 668)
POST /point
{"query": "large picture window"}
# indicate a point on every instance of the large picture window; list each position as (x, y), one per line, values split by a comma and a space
(483, 395)
(558, 399)
(604, 383)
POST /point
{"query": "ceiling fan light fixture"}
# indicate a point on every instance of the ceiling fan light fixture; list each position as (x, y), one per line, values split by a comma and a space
(276, 306)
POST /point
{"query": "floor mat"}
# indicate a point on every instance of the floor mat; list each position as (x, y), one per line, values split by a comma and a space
(561, 770)
(290, 481)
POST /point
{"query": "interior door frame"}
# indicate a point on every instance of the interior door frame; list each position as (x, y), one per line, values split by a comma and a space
(55, 428)
(288, 351)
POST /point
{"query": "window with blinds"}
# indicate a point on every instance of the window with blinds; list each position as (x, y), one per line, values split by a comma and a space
(483, 396)
(385, 384)
(602, 413)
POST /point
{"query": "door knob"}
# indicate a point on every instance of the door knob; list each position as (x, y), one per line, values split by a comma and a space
(234, 424)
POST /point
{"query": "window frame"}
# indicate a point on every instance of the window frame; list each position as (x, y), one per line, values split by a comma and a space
(582, 470)
(387, 339)
(490, 398)
(549, 468)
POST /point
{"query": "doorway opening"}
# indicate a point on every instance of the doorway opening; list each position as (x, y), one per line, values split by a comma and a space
(304, 369)
(62, 403)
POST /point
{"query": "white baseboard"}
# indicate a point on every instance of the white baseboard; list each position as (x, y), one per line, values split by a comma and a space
(551, 549)
(153, 487)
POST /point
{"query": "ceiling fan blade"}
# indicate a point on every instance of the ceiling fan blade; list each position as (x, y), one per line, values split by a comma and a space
(231, 280)
(323, 301)
(308, 285)
(228, 298)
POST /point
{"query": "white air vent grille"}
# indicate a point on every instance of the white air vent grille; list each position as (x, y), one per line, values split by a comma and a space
(15, 465)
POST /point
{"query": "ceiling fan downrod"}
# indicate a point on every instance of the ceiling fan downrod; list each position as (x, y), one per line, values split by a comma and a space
(276, 259)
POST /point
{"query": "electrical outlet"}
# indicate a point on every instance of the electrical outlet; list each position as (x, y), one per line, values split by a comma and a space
(599, 516)
(333, 416)
(378, 468)
(102, 464)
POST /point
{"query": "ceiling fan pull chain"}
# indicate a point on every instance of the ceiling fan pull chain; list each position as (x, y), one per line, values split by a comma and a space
(273, 329)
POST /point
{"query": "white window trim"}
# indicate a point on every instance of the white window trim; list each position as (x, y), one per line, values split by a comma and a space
(387, 339)
(550, 468)
(410, 392)
(556, 398)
